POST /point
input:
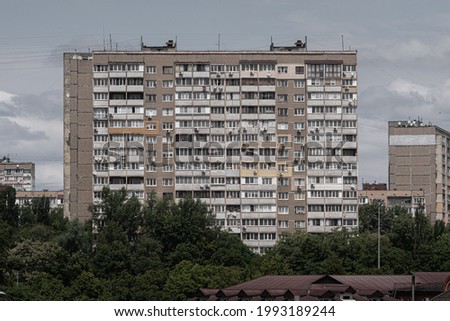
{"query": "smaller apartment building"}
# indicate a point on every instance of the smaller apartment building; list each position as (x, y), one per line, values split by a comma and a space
(419, 160)
(19, 175)
(410, 200)
(56, 198)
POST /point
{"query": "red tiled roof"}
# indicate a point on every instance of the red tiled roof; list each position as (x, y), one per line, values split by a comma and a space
(278, 282)
(305, 287)
(442, 297)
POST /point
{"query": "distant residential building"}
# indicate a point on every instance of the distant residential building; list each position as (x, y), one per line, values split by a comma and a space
(374, 186)
(56, 198)
(268, 139)
(419, 159)
(410, 200)
(19, 175)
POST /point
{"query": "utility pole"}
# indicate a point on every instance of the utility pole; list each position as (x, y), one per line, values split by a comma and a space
(379, 234)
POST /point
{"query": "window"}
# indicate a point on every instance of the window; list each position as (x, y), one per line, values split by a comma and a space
(249, 67)
(117, 67)
(282, 83)
(283, 209)
(315, 71)
(151, 98)
(299, 98)
(135, 67)
(135, 123)
(167, 70)
(151, 182)
(283, 196)
(282, 111)
(282, 97)
(315, 222)
(100, 96)
(167, 84)
(151, 83)
(267, 194)
(167, 112)
(299, 126)
(167, 98)
(283, 126)
(282, 69)
(300, 70)
(135, 82)
(151, 69)
(283, 224)
(101, 82)
(101, 68)
(333, 71)
(299, 224)
(151, 126)
(299, 83)
(299, 111)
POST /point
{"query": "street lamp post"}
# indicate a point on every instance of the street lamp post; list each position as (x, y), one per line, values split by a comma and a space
(379, 235)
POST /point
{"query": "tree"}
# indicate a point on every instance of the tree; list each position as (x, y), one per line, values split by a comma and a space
(6, 234)
(187, 277)
(368, 218)
(9, 211)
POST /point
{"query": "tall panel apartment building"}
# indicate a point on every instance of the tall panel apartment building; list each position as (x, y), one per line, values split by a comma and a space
(268, 139)
(419, 160)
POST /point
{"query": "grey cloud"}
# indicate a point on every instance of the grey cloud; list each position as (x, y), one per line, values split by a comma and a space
(12, 133)
(46, 106)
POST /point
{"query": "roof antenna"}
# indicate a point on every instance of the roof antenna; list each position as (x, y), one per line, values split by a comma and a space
(342, 42)
(218, 42)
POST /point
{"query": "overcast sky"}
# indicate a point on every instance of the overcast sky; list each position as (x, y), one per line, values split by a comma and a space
(403, 58)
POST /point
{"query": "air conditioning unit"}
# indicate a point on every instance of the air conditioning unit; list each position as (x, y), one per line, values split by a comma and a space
(230, 74)
(255, 172)
(252, 73)
(202, 187)
(206, 186)
(312, 185)
(149, 118)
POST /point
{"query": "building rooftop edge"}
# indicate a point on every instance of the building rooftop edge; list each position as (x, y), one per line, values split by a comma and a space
(182, 52)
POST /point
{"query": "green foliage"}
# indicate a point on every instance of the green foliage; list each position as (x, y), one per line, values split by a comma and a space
(187, 277)
(165, 250)
(9, 211)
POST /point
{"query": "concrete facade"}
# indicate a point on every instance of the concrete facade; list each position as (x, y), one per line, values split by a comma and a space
(20, 175)
(268, 139)
(419, 159)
